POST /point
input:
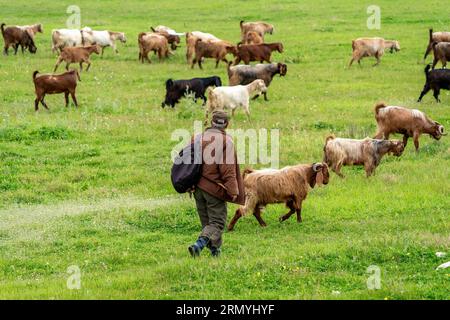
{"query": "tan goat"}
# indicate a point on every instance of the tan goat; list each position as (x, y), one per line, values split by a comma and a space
(155, 42)
(372, 47)
(77, 55)
(289, 185)
(259, 27)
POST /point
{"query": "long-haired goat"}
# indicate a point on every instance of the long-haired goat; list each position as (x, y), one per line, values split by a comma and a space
(372, 47)
(259, 27)
(408, 122)
(245, 74)
(289, 185)
(340, 152)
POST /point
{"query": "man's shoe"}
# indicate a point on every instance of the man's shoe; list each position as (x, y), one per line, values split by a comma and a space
(194, 251)
(215, 252)
(198, 246)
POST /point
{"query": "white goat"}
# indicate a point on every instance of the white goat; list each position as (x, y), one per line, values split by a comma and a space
(225, 97)
(62, 38)
(168, 30)
(106, 38)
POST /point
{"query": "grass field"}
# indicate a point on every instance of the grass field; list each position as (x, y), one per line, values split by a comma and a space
(91, 186)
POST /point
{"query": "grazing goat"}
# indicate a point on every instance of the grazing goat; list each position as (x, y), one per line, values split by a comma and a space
(176, 89)
(222, 98)
(244, 74)
(77, 55)
(441, 52)
(152, 42)
(259, 27)
(289, 185)
(257, 52)
(55, 83)
(62, 38)
(340, 152)
(408, 122)
(32, 30)
(212, 49)
(191, 40)
(106, 38)
(435, 80)
(172, 38)
(436, 37)
(15, 36)
(372, 47)
(252, 37)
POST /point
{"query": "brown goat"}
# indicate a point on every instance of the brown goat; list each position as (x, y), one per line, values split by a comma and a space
(15, 36)
(55, 83)
(155, 42)
(436, 37)
(340, 152)
(441, 52)
(408, 122)
(77, 55)
(259, 27)
(257, 52)
(289, 185)
(252, 37)
(191, 40)
(212, 49)
(172, 39)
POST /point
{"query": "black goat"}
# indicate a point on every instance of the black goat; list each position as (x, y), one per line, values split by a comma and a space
(176, 89)
(435, 80)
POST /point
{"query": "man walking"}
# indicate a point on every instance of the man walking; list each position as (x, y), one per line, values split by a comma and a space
(220, 182)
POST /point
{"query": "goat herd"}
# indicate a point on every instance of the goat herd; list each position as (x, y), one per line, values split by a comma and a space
(246, 81)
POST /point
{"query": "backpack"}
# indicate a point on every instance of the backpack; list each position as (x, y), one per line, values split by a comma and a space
(187, 167)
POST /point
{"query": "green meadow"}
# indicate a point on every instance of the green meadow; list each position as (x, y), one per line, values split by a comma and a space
(90, 187)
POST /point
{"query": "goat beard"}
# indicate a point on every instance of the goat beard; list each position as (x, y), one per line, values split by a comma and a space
(319, 178)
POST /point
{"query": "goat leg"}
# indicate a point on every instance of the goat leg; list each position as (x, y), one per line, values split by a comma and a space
(233, 221)
(74, 99)
(257, 214)
(66, 97)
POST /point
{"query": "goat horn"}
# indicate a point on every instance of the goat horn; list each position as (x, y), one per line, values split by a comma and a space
(441, 130)
(316, 167)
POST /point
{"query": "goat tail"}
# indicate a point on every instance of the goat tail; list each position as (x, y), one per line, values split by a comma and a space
(431, 34)
(140, 36)
(378, 106)
(241, 23)
(353, 45)
(2, 26)
(434, 44)
(427, 69)
(153, 29)
(246, 172)
(169, 84)
(34, 74)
